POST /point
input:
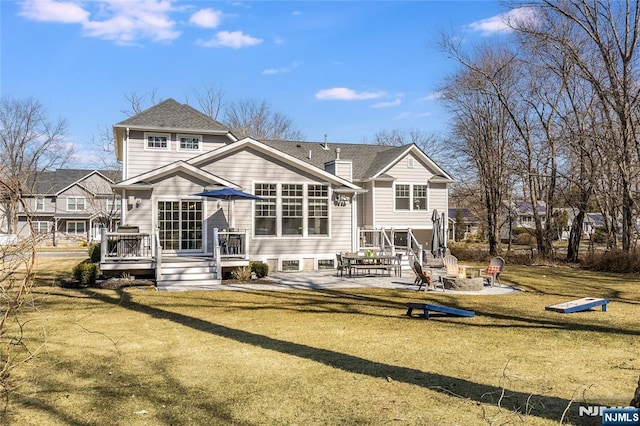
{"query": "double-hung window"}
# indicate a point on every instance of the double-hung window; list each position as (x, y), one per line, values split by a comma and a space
(75, 204)
(410, 197)
(76, 227)
(40, 227)
(318, 199)
(403, 197)
(292, 209)
(39, 204)
(114, 204)
(419, 197)
(265, 216)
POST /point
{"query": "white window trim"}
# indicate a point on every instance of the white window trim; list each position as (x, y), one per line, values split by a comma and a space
(38, 201)
(76, 209)
(38, 224)
(117, 202)
(76, 222)
(180, 149)
(146, 141)
(305, 211)
(410, 209)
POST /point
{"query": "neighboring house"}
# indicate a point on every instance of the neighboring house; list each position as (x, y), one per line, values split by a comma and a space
(472, 224)
(68, 206)
(318, 199)
(520, 215)
(590, 223)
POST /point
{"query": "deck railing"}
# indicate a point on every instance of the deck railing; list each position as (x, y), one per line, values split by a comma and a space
(232, 244)
(388, 240)
(126, 246)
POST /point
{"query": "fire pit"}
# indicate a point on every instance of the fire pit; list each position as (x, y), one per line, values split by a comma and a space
(463, 284)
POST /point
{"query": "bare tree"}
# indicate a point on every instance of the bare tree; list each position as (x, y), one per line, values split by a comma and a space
(431, 144)
(603, 48)
(483, 134)
(138, 103)
(29, 144)
(103, 146)
(260, 121)
(210, 100)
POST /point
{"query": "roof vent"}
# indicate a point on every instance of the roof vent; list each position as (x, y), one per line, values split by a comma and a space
(337, 153)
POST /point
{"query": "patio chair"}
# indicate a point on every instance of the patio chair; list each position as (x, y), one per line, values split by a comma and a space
(451, 265)
(493, 271)
(339, 264)
(422, 278)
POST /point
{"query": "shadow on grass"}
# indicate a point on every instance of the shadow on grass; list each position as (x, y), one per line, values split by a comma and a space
(542, 406)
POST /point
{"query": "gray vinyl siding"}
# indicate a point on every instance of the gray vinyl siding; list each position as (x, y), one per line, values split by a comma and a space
(141, 160)
(387, 215)
(248, 167)
(139, 215)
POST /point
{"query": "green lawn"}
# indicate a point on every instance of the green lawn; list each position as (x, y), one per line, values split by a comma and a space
(138, 357)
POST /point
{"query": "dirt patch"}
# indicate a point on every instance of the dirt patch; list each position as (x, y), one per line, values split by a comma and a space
(116, 283)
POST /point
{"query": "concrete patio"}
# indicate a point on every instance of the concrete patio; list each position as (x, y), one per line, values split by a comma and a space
(321, 280)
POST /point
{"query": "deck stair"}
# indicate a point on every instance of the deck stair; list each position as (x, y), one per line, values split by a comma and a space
(182, 273)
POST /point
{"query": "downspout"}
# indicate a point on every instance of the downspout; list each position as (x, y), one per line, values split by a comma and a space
(125, 156)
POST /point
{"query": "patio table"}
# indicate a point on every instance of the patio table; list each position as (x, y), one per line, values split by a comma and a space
(380, 262)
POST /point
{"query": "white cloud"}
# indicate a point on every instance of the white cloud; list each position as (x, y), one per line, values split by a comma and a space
(410, 114)
(281, 70)
(53, 11)
(296, 13)
(386, 104)
(344, 94)
(131, 21)
(206, 18)
(432, 96)
(504, 22)
(124, 22)
(234, 40)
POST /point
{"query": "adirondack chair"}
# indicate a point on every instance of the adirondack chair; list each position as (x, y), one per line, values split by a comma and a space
(422, 278)
(451, 265)
(493, 271)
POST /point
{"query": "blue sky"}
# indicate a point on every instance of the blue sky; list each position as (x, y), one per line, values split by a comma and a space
(344, 69)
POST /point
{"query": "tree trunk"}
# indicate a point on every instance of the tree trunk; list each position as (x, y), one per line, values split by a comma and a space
(574, 237)
(635, 402)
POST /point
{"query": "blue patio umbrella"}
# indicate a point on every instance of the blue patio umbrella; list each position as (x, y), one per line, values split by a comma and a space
(436, 234)
(229, 194)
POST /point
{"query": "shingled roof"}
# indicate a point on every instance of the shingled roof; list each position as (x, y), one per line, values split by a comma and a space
(171, 114)
(51, 182)
(367, 160)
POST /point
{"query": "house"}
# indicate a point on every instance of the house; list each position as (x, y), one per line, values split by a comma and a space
(472, 224)
(317, 199)
(69, 206)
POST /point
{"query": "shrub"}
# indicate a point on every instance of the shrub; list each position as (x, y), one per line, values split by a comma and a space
(86, 273)
(242, 274)
(525, 239)
(614, 260)
(94, 253)
(260, 269)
